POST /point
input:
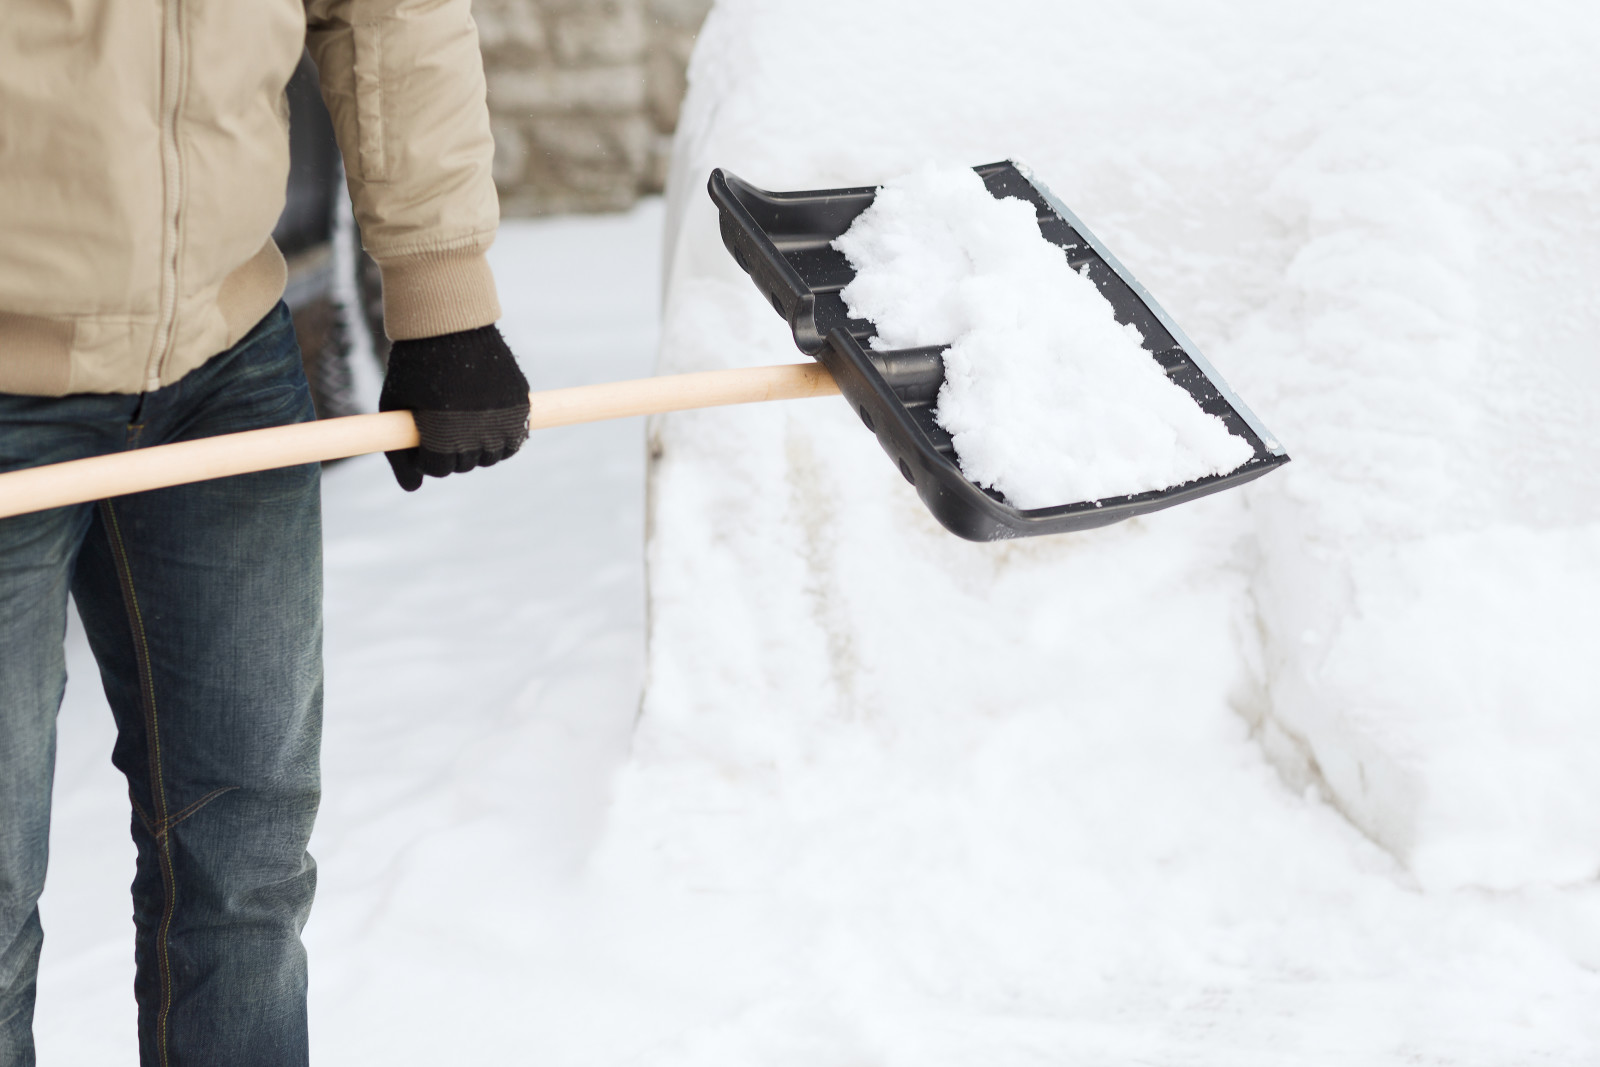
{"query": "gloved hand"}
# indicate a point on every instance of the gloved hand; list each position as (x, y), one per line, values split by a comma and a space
(469, 398)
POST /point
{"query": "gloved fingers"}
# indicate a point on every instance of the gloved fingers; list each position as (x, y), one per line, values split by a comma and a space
(406, 472)
(436, 464)
(411, 465)
(454, 442)
(498, 450)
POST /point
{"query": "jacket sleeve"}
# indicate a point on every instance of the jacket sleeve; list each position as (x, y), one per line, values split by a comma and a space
(404, 82)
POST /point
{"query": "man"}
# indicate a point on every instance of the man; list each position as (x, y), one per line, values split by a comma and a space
(143, 156)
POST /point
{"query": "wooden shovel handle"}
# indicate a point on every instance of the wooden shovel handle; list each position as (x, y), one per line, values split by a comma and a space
(98, 477)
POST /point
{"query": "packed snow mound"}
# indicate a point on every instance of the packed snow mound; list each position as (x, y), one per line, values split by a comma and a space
(1379, 226)
(1047, 398)
(895, 798)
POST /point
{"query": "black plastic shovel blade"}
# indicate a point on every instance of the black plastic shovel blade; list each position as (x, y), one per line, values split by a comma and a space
(783, 241)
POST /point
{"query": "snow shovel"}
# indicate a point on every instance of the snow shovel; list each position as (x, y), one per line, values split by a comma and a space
(783, 241)
(82, 480)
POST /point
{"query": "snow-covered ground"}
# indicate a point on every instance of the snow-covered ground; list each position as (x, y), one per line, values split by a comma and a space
(1300, 774)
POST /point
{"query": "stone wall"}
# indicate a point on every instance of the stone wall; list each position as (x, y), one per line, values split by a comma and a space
(584, 96)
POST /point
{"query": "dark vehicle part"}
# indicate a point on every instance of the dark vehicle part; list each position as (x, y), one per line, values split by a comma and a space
(784, 242)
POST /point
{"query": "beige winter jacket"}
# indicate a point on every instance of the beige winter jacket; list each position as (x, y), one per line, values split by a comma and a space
(143, 162)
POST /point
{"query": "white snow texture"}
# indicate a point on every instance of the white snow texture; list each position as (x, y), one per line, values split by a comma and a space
(1046, 396)
(1117, 797)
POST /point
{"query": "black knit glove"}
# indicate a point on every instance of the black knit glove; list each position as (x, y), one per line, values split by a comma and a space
(469, 398)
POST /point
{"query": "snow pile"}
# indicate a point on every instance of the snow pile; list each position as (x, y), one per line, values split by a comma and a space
(1415, 307)
(896, 798)
(1470, 658)
(1047, 397)
(1380, 228)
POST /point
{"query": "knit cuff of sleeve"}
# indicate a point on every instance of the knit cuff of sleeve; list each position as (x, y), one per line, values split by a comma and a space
(432, 293)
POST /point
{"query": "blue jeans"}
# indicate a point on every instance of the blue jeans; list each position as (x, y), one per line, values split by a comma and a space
(203, 605)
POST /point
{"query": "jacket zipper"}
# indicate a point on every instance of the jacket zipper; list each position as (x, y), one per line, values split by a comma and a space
(172, 188)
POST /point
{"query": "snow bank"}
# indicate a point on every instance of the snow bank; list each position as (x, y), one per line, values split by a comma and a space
(899, 799)
(1046, 396)
(1381, 228)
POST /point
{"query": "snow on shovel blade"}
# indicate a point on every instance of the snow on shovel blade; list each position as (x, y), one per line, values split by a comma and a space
(783, 241)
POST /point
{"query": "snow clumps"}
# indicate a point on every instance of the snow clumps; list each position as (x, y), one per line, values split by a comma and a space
(1049, 399)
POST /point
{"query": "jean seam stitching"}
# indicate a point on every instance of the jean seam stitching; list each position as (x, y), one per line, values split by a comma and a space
(173, 821)
(140, 814)
(153, 747)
